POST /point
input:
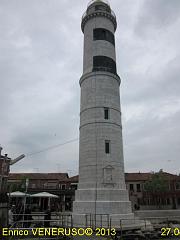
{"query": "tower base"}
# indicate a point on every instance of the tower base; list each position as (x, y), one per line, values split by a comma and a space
(111, 209)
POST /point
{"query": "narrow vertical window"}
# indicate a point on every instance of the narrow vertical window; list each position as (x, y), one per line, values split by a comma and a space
(131, 187)
(106, 113)
(168, 201)
(107, 146)
(138, 187)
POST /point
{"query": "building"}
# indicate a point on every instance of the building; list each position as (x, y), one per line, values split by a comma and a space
(64, 186)
(168, 198)
(5, 163)
(55, 183)
(4, 171)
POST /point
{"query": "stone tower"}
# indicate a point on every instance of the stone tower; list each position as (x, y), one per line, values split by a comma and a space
(101, 188)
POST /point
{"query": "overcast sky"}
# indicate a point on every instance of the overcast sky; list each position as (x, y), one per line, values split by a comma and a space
(41, 49)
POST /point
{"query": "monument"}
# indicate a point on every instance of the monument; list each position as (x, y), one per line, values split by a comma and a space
(101, 196)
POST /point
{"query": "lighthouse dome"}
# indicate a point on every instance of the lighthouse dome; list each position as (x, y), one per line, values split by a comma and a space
(98, 1)
(98, 7)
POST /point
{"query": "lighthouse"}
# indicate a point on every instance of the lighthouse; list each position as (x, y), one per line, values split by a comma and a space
(101, 195)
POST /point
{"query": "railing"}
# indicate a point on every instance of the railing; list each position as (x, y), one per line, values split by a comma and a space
(97, 220)
(34, 220)
(111, 12)
(125, 229)
(51, 190)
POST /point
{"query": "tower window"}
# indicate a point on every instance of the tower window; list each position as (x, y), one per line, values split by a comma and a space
(138, 187)
(106, 113)
(100, 8)
(107, 146)
(103, 63)
(131, 187)
(103, 34)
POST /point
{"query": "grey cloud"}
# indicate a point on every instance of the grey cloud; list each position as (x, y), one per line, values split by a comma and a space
(157, 15)
(159, 86)
(157, 145)
(41, 47)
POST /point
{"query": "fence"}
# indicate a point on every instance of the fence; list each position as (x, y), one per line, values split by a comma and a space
(125, 228)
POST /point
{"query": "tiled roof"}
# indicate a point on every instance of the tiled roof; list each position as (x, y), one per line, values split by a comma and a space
(137, 176)
(74, 179)
(50, 176)
(133, 177)
(146, 176)
(64, 176)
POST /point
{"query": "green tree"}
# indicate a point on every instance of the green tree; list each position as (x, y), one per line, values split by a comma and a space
(158, 183)
(156, 186)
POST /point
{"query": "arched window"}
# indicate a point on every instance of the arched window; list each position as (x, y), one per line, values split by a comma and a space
(103, 63)
(103, 34)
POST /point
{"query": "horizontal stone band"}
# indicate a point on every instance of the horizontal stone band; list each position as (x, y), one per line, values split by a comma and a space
(89, 108)
(100, 122)
(92, 74)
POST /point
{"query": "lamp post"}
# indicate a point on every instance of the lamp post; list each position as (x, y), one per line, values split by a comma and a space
(24, 209)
